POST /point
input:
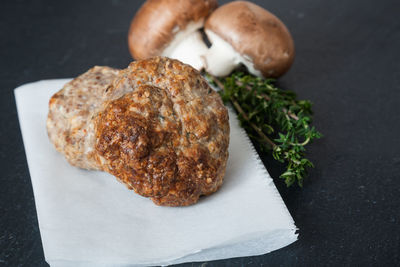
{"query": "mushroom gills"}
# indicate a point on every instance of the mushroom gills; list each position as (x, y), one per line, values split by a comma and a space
(188, 45)
(221, 59)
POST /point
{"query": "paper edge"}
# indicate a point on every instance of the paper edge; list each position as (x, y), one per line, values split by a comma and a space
(292, 237)
(291, 234)
(17, 94)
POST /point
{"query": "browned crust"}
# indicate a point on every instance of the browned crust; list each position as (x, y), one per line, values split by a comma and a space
(155, 24)
(164, 132)
(255, 33)
(69, 121)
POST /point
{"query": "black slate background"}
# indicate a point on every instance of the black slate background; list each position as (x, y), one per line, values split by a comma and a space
(348, 64)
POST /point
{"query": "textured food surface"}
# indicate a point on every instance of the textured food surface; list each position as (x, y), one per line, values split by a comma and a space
(163, 132)
(70, 120)
(157, 21)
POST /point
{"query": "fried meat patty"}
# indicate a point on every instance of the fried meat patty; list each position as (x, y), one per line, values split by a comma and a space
(163, 132)
(157, 126)
(70, 119)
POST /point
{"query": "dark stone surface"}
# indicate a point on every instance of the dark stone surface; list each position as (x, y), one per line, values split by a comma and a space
(348, 64)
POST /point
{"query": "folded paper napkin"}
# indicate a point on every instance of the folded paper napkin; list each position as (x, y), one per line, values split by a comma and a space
(88, 218)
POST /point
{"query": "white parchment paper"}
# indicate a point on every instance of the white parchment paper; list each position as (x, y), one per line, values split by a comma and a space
(88, 218)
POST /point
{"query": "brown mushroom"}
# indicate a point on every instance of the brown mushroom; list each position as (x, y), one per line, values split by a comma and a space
(244, 33)
(170, 28)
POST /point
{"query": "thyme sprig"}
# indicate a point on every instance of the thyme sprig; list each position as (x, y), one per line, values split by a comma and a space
(273, 118)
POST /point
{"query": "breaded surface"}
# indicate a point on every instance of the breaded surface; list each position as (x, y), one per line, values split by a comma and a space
(70, 124)
(163, 132)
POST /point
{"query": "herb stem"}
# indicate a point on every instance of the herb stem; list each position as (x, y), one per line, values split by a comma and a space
(301, 144)
(244, 115)
(272, 117)
(257, 129)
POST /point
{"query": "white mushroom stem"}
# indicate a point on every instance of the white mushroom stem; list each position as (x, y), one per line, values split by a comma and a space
(188, 45)
(221, 59)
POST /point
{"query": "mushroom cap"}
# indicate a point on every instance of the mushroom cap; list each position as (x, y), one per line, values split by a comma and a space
(157, 21)
(256, 34)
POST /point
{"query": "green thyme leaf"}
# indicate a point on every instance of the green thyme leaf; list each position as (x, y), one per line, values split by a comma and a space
(273, 118)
